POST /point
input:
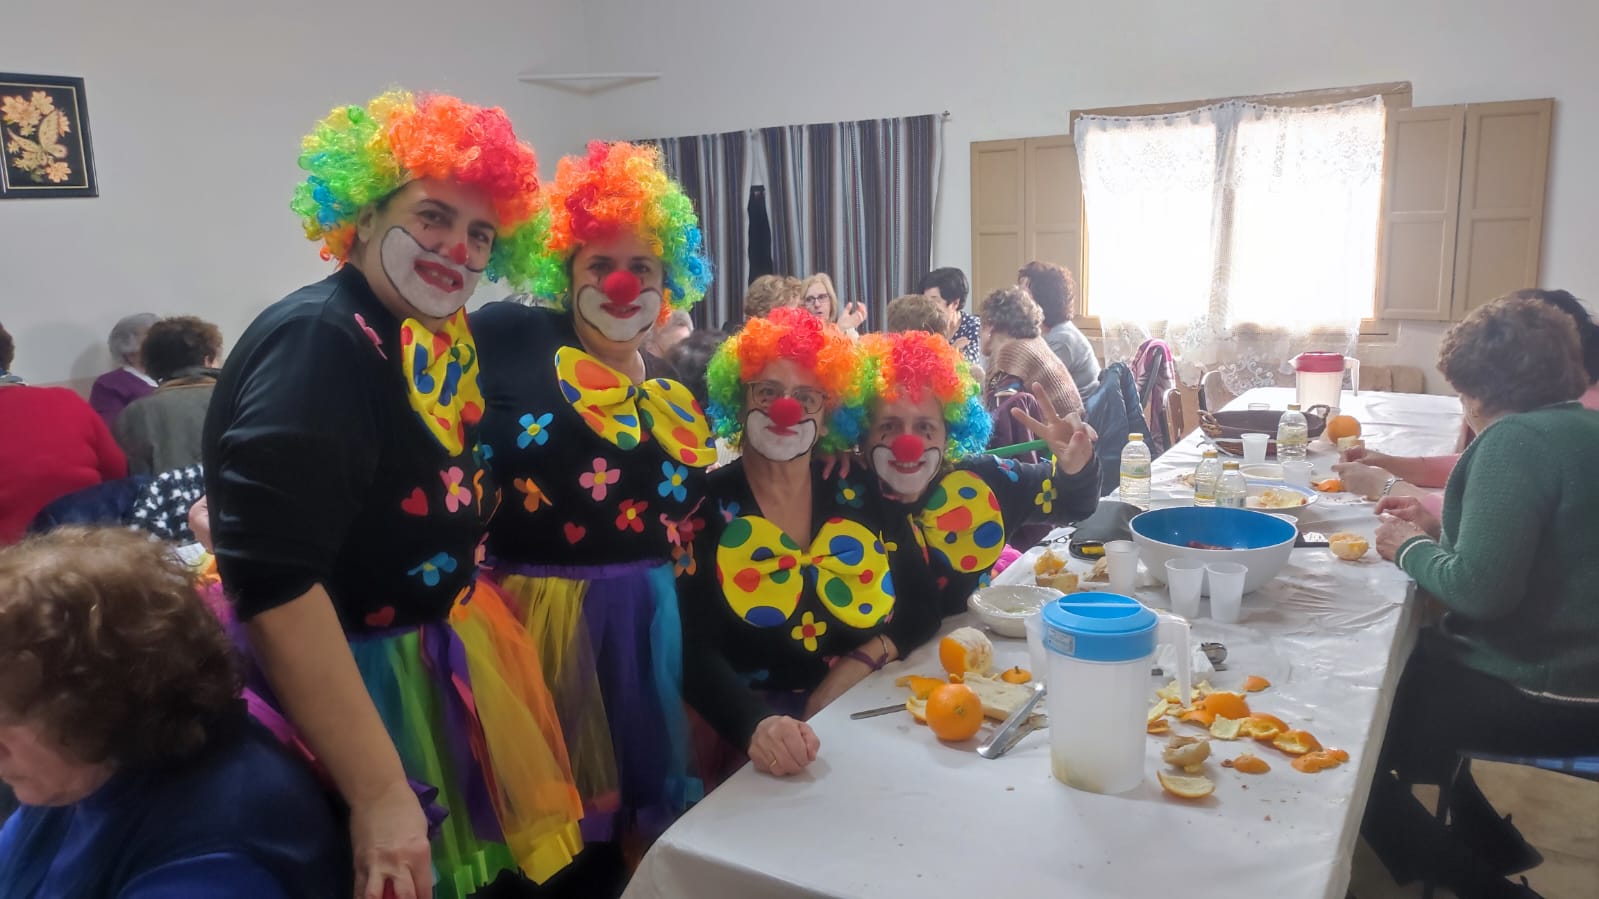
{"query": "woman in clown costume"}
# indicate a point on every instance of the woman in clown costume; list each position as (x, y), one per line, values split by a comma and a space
(791, 602)
(947, 509)
(602, 460)
(348, 499)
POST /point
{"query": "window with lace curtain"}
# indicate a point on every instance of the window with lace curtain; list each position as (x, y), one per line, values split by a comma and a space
(1240, 232)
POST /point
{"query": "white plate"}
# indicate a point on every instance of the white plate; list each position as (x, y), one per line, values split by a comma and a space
(1256, 488)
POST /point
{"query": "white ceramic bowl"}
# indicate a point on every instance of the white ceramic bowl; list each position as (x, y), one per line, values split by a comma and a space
(1256, 488)
(1005, 609)
(1259, 541)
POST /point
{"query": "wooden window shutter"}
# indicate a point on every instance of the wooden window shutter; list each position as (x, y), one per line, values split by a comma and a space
(1421, 203)
(1055, 205)
(998, 215)
(1503, 175)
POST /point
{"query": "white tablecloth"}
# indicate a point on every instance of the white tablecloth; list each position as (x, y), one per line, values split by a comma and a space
(886, 810)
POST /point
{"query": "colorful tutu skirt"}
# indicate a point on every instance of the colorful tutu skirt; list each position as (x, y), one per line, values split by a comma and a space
(612, 646)
(465, 702)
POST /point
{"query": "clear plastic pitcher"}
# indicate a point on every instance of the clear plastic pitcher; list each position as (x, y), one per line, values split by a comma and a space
(1319, 378)
(1100, 647)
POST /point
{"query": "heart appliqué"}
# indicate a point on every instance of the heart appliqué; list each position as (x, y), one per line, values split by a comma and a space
(381, 618)
(415, 504)
(575, 532)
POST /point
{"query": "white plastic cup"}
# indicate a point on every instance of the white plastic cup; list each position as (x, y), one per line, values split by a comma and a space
(1034, 624)
(1297, 474)
(1185, 578)
(1226, 590)
(1255, 448)
(1122, 560)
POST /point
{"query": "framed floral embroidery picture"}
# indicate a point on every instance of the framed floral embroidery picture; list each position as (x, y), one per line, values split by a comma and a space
(44, 132)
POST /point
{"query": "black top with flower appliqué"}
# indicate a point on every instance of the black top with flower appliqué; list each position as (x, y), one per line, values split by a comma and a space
(596, 471)
(762, 612)
(319, 471)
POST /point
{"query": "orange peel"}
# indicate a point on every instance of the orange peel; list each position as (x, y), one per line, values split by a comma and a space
(921, 687)
(1184, 786)
(1016, 675)
(1255, 683)
(1247, 763)
(1312, 762)
(1296, 742)
(1226, 705)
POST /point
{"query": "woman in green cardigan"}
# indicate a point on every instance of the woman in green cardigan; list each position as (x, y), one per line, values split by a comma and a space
(1513, 666)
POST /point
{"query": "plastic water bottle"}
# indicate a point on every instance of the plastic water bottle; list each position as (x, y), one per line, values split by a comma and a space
(1232, 489)
(1135, 472)
(1293, 435)
(1205, 477)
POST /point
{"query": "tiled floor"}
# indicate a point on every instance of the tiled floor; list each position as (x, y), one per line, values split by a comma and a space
(1557, 813)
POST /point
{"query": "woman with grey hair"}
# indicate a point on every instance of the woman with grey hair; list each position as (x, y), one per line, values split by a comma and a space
(115, 389)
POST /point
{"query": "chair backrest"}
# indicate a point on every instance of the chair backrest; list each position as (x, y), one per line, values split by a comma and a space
(1213, 392)
(1175, 427)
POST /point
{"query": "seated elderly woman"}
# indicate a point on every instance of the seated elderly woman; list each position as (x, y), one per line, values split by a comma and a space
(1376, 474)
(124, 737)
(54, 445)
(924, 435)
(768, 649)
(821, 300)
(1018, 356)
(918, 312)
(114, 390)
(161, 432)
(1513, 666)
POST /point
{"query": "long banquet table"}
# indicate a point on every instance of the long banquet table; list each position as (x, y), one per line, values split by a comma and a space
(886, 810)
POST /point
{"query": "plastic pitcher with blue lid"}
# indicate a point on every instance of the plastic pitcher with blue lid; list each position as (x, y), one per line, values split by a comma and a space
(1100, 647)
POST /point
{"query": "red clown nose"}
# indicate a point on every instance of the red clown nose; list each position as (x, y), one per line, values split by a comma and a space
(907, 448)
(458, 254)
(622, 287)
(785, 412)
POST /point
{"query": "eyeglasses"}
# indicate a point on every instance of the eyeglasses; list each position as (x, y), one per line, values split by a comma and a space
(764, 393)
(818, 300)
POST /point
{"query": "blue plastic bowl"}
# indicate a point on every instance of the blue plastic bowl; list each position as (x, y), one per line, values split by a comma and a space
(1258, 541)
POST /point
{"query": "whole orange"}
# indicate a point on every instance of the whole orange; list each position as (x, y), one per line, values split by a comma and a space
(1341, 426)
(954, 712)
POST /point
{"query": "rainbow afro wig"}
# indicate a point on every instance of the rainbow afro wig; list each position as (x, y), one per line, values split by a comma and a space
(793, 334)
(615, 187)
(359, 155)
(914, 365)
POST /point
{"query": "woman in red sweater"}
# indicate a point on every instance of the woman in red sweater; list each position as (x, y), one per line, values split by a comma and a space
(55, 444)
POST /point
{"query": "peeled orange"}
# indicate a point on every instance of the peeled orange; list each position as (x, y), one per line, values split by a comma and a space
(1016, 675)
(954, 712)
(966, 649)
(1341, 426)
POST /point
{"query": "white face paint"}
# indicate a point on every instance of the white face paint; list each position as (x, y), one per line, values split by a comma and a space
(779, 444)
(906, 480)
(621, 322)
(431, 283)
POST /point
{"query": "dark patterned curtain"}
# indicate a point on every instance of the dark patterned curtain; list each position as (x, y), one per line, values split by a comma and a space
(855, 200)
(712, 169)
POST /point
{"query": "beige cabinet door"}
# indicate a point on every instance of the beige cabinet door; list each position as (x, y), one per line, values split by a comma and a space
(998, 215)
(1421, 200)
(1503, 174)
(1054, 189)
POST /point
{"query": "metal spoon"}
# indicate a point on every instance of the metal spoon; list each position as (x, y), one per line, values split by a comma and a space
(1000, 743)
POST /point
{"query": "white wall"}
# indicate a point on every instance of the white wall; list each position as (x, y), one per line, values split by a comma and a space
(1015, 68)
(196, 109)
